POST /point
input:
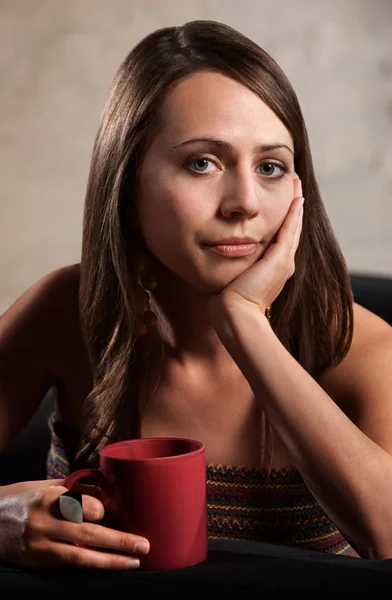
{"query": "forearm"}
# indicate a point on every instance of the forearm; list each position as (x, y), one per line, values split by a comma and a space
(348, 473)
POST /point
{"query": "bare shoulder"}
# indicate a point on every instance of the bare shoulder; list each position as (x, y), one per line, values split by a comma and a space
(372, 337)
(47, 289)
(368, 326)
(36, 332)
(46, 306)
(362, 383)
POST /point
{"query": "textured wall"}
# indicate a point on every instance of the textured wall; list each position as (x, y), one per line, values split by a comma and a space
(57, 60)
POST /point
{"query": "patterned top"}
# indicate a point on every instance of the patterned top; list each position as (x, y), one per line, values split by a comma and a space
(243, 503)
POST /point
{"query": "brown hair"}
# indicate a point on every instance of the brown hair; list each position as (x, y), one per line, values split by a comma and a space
(312, 317)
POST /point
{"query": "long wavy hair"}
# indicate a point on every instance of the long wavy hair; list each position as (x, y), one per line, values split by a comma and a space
(312, 317)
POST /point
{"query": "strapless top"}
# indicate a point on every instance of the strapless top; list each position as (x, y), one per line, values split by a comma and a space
(243, 503)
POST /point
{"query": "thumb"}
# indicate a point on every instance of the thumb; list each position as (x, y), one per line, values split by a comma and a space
(269, 251)
(39, 484)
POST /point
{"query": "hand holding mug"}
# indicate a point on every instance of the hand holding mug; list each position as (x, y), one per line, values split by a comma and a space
(154, 489)
(33, 536)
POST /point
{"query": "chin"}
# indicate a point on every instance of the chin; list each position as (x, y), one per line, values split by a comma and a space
(212, 287)
(211, 281)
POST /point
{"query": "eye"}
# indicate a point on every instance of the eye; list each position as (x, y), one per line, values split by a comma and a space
(273, 170)
(200, 164)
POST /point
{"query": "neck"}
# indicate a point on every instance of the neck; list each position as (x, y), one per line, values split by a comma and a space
(189, 339)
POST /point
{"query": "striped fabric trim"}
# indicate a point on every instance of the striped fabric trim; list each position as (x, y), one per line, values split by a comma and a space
(249, 504)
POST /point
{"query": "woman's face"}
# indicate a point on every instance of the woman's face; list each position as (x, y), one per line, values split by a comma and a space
(220, 165)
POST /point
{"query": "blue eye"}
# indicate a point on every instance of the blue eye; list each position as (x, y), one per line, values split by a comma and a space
(269, 170)
(200, 164)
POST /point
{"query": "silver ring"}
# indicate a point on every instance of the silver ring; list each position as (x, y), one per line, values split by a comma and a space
(71, 508)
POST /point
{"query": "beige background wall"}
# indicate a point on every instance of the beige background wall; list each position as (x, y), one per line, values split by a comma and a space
(57, 60)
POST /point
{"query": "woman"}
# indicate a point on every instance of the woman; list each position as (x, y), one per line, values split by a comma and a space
(211, 303)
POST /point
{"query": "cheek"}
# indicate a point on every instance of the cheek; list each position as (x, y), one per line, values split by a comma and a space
(169, 218)
(170, 204)
(276, 209)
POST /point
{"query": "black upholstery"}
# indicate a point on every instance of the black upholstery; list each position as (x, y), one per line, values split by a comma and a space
(25, 459)
(374, 293)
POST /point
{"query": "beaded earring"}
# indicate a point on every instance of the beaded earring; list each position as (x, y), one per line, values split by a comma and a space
(145, 318)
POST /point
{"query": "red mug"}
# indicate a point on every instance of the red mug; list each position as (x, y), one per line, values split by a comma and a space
(155, 488)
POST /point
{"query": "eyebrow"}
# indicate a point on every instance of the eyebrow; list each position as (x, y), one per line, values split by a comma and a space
(261, 148)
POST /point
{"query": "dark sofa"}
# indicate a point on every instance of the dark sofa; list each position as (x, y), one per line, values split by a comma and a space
(25, 459)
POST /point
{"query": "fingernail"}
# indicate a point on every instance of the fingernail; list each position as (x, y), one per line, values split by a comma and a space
(302, 200)
(142, 548)
(132, 563)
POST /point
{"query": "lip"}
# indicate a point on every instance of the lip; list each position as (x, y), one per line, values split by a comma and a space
(235, 250)
(232, 241)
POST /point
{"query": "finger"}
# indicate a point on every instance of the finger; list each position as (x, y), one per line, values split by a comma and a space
(98, 536)
(288, 228)
(297, 186)
(92, 505)
(64, 555)
(93, 509)
(43, 484)
(52, 482)
(298, 231)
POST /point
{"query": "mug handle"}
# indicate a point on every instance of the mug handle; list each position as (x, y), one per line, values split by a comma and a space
(94, 477)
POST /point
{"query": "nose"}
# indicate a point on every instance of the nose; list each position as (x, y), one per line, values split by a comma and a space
(240, 196)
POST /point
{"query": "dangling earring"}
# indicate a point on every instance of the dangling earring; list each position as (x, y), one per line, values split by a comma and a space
(145, 318)
(268, 312)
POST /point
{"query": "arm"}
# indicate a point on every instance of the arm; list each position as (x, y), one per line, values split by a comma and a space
(37, 335)
(30, 333)
(348, 471)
